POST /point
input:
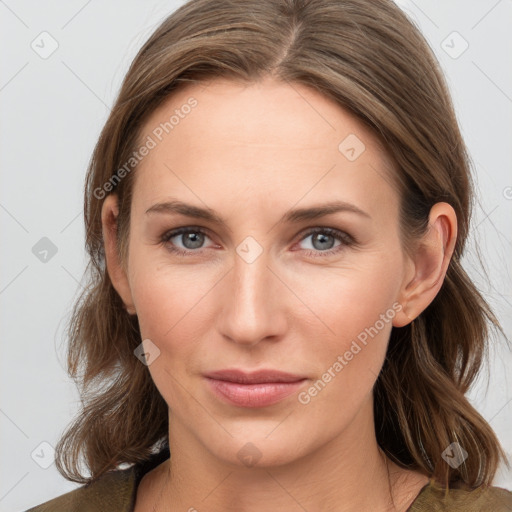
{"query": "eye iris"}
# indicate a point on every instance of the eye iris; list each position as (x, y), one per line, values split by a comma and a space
(195, 238)
(321, 238)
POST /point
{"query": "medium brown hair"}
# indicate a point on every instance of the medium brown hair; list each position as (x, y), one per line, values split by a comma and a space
(372, 60)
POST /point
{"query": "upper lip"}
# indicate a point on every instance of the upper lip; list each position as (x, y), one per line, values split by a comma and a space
(256, 377)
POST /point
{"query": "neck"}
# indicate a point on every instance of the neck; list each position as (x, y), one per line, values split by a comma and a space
(349, 473)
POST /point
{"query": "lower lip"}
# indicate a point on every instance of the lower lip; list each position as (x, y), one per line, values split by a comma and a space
(253, 395)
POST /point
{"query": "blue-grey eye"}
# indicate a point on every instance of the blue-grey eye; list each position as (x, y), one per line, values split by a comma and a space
(321, 241)
(185, 238)
(191, 239)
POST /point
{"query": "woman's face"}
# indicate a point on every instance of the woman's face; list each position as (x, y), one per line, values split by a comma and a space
(261, 278)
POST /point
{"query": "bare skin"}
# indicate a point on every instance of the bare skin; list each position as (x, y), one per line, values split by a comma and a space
(251, 154)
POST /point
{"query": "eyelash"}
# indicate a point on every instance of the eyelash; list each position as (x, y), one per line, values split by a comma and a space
(345, 239)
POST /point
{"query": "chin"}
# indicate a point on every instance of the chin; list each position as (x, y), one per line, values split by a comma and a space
(259, 450)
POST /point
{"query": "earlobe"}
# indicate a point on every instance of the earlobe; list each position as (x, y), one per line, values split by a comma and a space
(116, 271)
(429, 264)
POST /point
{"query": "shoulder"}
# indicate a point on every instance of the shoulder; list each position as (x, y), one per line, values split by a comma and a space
(113, 491)
(482, 499)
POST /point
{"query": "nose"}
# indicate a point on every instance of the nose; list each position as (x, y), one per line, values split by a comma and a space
(253, 303)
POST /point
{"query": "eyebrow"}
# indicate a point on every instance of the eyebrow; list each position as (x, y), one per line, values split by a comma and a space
(292, 216)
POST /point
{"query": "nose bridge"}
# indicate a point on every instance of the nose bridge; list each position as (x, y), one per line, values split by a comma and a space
(251, 310)
(250, 280)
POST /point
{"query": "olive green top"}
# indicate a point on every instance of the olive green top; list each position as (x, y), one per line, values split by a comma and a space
(116, 491)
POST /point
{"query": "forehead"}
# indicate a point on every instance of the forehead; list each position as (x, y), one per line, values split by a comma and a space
(226, 138)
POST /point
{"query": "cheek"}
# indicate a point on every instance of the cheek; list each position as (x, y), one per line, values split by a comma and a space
(349, 300)
(174, 306)
(172, 315)
(358, 306)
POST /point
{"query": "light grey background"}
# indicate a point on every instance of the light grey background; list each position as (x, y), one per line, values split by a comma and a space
(52, 111)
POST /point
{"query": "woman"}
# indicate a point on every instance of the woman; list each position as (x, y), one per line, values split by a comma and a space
(277, 316)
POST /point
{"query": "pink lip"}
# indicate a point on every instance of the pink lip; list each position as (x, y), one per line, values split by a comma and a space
(253, 389)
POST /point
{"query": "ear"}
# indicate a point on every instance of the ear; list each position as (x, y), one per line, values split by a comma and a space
(116, 271)
(428, 264)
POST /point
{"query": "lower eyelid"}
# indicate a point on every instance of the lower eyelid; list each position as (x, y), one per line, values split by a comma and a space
(343, 245)
(344, 238)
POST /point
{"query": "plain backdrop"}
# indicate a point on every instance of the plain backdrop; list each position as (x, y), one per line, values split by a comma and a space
(53, 107)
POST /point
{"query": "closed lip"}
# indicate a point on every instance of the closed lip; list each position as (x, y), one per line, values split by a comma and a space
(255, 377)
